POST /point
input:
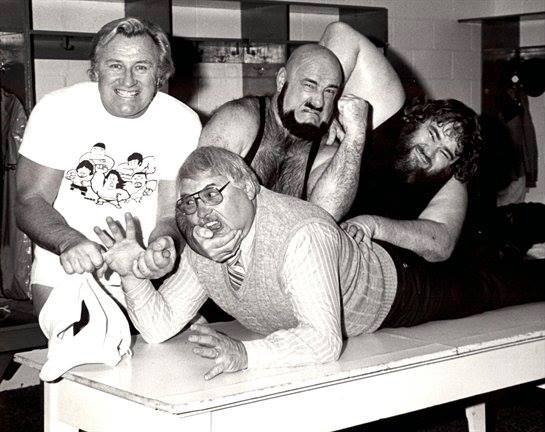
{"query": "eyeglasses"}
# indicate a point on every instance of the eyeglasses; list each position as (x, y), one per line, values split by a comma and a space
(210, 195)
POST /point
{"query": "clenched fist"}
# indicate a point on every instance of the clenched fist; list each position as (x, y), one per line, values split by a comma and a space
(352, 116)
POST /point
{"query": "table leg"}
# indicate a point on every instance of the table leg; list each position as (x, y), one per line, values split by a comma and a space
(476, 418)
(53, 410)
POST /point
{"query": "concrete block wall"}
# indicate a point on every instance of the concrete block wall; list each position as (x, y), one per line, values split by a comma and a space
(427, 44)
(444, 56)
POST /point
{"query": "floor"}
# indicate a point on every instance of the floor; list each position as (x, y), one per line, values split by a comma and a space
(521, 409)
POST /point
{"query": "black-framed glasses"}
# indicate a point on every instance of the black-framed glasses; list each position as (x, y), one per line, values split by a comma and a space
(210, 195)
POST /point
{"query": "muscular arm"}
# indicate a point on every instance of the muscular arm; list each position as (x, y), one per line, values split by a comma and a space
(166, 224)
(333, 181)
(37, 188)
(367, 72)
(334, 178)
(434, 234)
(233, 127)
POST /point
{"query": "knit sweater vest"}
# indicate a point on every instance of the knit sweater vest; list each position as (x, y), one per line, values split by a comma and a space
(260, 304)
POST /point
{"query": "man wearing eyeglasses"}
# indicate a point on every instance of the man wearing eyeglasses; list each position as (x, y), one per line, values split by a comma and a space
(297, 278)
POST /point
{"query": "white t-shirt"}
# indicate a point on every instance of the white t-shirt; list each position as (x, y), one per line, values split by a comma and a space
(111, 165)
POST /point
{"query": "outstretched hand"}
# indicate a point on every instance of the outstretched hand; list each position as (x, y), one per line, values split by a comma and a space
(122, 247)
(229, 354)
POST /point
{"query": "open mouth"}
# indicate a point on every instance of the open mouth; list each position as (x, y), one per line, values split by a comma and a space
(422, 156)
(213, 226)
(127, 93)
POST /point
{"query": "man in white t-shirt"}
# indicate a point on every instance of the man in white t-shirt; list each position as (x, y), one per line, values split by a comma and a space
(79, 140)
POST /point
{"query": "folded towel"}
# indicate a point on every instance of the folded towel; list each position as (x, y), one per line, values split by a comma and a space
(104, 339)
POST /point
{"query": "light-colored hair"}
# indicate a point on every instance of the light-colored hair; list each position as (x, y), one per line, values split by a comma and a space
(131, 27)
(218, 161)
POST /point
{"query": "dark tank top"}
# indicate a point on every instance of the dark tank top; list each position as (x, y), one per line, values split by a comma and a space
(249, 158)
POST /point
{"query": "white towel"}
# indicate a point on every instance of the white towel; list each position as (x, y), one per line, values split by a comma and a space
(105, 338)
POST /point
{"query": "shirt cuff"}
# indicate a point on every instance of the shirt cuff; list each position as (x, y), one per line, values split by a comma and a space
(258, 353)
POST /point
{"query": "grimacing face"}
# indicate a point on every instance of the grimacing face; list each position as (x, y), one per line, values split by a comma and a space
(235, 212)
(312, 91)
(127, 75)
(430, 150)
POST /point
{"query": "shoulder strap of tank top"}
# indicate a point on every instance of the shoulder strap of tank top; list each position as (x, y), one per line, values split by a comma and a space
(310, 161)
(257, 142)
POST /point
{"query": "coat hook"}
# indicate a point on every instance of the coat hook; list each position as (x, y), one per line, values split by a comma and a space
(67, 45)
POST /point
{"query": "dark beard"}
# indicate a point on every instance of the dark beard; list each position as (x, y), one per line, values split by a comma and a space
(409, 172)
(305, 131)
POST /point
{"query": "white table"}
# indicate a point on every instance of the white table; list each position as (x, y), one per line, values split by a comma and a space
(391, 372)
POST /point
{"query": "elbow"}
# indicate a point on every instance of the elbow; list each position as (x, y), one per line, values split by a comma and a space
(153, 339)
(20, 213)
(332, 349)
(440, 250)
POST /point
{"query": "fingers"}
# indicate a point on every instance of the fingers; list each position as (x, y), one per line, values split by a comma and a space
(137, 272)
(331, 134)
(204, 329)
(101, 271)
(157, 260)
(104, 237)
(85, 257)
(353, 231)
(214, 372)
(130, 228)
(220, 247)
(210, 353)
(115, 229)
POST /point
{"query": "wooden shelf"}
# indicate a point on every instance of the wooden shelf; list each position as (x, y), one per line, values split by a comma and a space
(520, 17)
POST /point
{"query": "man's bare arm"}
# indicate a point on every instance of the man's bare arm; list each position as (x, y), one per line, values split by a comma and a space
(233, 127)
(334, 178)
(165, 240)
(434, 234)
(37, 188)
(367, 73)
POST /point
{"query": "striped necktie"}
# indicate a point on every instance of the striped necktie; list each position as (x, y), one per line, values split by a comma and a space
(236, 272)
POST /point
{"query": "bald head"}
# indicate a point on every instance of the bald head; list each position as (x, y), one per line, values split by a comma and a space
(315, 55)
(307, 89)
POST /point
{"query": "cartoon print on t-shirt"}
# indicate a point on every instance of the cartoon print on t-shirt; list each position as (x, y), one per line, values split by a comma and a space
(96, 179)
(136, 163)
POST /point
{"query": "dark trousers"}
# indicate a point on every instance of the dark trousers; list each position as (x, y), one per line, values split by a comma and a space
(433, 291)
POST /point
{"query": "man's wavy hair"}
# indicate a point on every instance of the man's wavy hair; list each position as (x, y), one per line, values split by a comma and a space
(221, 162)
(464, 122)
(131, 27)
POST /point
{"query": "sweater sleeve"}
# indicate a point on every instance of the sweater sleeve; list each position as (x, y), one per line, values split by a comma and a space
(160, 314)
(310, 276)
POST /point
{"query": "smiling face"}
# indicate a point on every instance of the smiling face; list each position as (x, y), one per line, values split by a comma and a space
(127, 75)
(235, 212)
(429, 152)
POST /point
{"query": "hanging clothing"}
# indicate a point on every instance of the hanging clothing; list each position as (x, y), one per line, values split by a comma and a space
(16, 250)
(516, 115)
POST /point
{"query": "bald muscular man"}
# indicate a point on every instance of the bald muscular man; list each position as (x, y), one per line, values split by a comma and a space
(306, 140)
